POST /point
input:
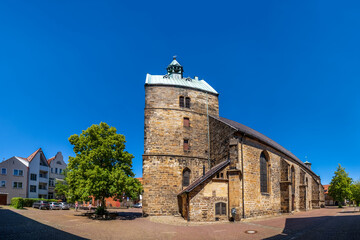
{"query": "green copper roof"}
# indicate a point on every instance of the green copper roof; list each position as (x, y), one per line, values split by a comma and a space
(177, 80)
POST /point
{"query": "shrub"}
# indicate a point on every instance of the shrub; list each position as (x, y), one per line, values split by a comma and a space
(100, 210)
(28, 202)
(17, 202)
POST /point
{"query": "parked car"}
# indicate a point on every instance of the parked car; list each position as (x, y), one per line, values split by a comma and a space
(41, 205)
(55, 206)
(64, 206)
(137, 205)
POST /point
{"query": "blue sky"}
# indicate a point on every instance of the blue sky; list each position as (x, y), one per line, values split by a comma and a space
(288, 69)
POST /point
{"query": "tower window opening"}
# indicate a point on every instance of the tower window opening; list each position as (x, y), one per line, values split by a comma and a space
(186, 145)
(181, 101)
(187, 102)
(186, 122)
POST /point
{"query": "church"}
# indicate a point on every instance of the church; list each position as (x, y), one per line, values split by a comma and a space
(209, 168)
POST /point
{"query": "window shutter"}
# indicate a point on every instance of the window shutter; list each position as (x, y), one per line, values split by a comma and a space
(186, 145)
(186, 122)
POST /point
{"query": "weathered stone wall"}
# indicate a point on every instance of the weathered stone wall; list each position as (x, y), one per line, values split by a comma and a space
(164, 157)
(162, 182)
(204, 197)
(220, 134)
(164, 130)
(257, 203)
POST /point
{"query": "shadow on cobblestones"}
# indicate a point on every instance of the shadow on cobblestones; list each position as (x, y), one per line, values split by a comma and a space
(16, 226)
(129, 215)
(327, 227)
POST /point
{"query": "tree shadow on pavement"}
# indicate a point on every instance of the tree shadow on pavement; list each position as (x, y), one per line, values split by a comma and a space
(327, 227)
(16, 226)
(129, 215)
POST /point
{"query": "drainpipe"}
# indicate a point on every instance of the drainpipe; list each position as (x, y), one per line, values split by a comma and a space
(188, 207)
(242, 172)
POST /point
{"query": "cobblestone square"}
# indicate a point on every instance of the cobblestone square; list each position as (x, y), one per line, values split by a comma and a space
(328, 223)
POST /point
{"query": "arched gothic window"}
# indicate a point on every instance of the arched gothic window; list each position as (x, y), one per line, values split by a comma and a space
(186, 177)
(181, 101)
(263, 173)
(187, 102)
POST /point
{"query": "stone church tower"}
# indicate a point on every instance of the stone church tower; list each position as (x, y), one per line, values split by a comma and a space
(176, 136)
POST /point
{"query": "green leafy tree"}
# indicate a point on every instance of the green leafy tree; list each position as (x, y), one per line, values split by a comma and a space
(62, 188)
(101, 167)
(339, 188)
(355, 190)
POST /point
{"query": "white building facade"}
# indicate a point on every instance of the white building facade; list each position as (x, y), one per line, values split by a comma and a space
(29, 177)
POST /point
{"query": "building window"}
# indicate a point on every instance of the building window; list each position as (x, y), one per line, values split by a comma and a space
(51, 182)
(58, 162)
(42, 186)
(186, 145)
(56, 171)
(43, 174)
(186, 122)
(263, 173)
(3, 184)
(17, 184)
(52, 170)
(220, 208)
(32, 188)
(187, 102)
(186, 177)
(18, 172)
(33, 176)
(181, 101)
(60, 170)
(3, 171)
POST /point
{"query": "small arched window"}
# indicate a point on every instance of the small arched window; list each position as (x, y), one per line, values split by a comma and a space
(220, 208)
(186, 177)
(181, 101)
(187, 102)
(263, 173)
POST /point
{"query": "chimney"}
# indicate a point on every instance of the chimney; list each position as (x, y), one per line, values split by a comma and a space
(308, 164)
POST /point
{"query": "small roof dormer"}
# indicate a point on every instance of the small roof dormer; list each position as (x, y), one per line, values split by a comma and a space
(175, 69)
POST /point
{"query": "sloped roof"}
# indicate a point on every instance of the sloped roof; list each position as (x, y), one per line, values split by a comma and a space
(31, 157)
(255, 134)
(178, 81)
(174, 62)
(50, 159)
(207, 175)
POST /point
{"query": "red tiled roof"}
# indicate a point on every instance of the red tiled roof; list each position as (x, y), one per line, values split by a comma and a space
(140, 179)
(50, 159)
(31, 157)
(326, 188)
